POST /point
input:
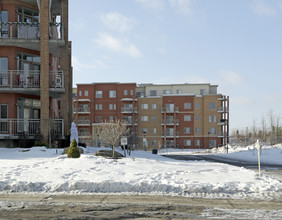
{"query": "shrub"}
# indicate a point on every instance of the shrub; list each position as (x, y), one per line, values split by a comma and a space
(82, 144)
(108, 154)
(73, 151)
(39, 144)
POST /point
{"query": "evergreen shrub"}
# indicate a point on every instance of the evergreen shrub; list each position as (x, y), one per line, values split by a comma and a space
(73, 151)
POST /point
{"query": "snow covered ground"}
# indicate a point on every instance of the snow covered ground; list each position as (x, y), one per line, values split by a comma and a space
(43, 170)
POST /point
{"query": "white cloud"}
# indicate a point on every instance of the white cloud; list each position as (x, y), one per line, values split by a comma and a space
(79, 66)
(241, 101)
(231, 77)
(261, 8)
(182, 6)
(111, 43)
(118, 22)
(152, 4)
(162, 50)
(181, 80)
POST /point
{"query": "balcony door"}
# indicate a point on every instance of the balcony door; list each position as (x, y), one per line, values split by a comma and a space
(3, 24)
(3, 71)
(3, 118)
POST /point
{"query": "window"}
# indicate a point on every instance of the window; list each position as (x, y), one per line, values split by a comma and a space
(178, 91)
(86, 93)
(169, 107)
(3, 71)
(187, 142)
(144, 118)
(98, 119)
(197, 105)
(197, 143)
(140, 94)
(144, 106)
(197, 130)
(212, 143)
(154, 142)
(83, 132)
(112, 93)
(187, 105)
(125, 92)
(144, 130)
(112, 118)
(153, 92)
(154, 118)
(4, 20)
(202, 91)
(99, 94)
(166, 91)
(187, 117)
(131, 92)
(169, 131)
(212, 118)
(80, 93)
(212, 131)
(112, 106)
(197, 117)
(3, 111)
(154, 106)
(99, 107)
(212, 106)
(187, 130)
(154, 130)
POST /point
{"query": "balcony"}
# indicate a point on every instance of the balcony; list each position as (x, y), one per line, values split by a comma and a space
(23, 81)
(221, 109)
(170, 134)
(129, 110)
(170, 110)
(27, 35)
(83, 122)
(130, 122)
(170, 122)
(83, 134)
(84, 110)
(28, 127)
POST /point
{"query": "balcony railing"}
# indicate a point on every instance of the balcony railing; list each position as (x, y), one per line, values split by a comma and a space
(170, 134)
(83, 110)
(84, 134)
(83, 122)
(170, 109)
(29, 79)
(170, 121)
(129, 110)
(221, 109)
(31, 31)
(130, 122)
(29, 127)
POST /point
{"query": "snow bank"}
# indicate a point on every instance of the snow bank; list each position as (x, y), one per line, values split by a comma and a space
(42, 170)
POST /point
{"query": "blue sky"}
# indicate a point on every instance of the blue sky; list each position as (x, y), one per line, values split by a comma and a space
(236, 44)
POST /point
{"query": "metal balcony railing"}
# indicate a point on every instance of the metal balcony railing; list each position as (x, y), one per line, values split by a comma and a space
(29, 79)
(29, 127)
(221, 109)
(170, 134)
(28, 31)
(170, 109)
(83, 134)
(170, 121)
(130, 122)
(129, 110)
(84, 110)
(83, 122)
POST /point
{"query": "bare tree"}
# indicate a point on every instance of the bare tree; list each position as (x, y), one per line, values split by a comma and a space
(111, 132)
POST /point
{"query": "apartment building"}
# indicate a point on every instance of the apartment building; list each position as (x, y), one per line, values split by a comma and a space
(35, 71)
(161, 116)
(98, 103)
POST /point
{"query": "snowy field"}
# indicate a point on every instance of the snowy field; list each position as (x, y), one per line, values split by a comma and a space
(41, 170)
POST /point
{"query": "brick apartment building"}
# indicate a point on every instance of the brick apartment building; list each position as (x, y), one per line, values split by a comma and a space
(159, 116)
(35, 71)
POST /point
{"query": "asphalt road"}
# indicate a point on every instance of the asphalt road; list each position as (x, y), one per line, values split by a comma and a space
(219, 159)
(50, 206)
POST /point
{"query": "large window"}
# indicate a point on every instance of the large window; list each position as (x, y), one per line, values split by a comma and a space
(187, 130)
(154, 106)
(187, 117)
(212, 131)
(144, 106)
(112, 94)
(187, 142)
(99, 94)
(3, 115)
(212, 143)
(187, 105)
(212, 118)
(144, 118)
(4, 26)
(212, 106)
(3, 71)
(153, 92)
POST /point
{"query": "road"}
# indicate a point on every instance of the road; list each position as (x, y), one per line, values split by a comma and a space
(220, 159)
(51, 206)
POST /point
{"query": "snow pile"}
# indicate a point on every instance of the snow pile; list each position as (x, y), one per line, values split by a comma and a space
(42, 170)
